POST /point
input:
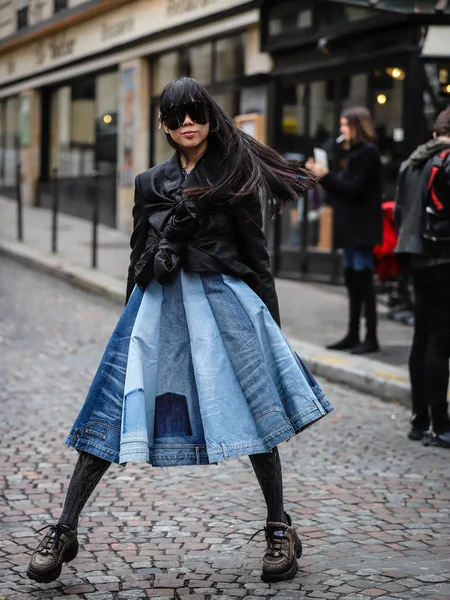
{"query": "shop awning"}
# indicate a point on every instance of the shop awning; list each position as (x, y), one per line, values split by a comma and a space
(437, 42)
(418, 7)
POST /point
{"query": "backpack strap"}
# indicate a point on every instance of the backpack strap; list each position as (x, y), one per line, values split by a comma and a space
(437, 163)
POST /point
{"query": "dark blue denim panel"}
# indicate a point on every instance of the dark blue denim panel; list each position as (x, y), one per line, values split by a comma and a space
(176, 378)
(104, 400)
(172, 416)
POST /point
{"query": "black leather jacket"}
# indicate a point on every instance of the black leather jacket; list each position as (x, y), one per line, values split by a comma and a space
(173, 231)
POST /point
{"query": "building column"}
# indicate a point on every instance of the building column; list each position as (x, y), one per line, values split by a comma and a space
(30, 118)
(133, 139)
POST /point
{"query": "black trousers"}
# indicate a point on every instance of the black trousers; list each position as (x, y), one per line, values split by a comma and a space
(430, 352)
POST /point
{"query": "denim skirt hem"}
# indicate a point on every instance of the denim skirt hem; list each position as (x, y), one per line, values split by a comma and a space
(196, 372)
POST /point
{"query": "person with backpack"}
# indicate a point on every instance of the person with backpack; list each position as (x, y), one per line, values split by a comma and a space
(422, 213)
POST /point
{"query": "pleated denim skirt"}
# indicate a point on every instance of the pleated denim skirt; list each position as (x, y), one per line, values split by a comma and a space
(196, 372)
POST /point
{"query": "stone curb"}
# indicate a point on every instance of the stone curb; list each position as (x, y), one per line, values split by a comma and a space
(366, 375)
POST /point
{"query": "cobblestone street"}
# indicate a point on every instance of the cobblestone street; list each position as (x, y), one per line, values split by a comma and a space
(372, 508)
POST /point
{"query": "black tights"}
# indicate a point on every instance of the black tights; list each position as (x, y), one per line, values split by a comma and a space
(90, 469)
(87, 474)
(267, 467)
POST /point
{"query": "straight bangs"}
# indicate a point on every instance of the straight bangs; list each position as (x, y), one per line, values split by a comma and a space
(182, 91)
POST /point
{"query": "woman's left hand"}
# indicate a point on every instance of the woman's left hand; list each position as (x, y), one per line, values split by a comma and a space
(318, 170)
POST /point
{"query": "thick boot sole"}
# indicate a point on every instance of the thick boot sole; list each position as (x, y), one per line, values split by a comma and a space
(69, 555)
(290, 573)
(345, 344)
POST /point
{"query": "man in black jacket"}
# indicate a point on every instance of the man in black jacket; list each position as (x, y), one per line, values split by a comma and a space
(430, 271)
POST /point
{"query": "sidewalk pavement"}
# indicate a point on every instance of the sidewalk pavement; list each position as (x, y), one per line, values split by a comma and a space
(312, 314)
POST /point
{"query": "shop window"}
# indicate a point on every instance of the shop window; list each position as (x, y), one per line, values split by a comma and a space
(22, 14)
(336, 14)
(386, 104)
(106, 125)
(9, 124)
(199, 63)
(165, 69)
(308, 122)
(229, 58)
(287, 19)
(83, 126)
(436, 96)
(59, 5)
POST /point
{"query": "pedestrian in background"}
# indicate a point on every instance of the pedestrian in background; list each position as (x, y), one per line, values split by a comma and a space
(197, 370)
(422, 213)
(355, 195)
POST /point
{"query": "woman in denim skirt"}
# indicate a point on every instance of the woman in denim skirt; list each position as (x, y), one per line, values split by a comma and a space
(197, 369)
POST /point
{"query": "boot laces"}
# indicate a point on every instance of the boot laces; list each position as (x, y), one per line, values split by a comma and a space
(52, 538)
(275, 541)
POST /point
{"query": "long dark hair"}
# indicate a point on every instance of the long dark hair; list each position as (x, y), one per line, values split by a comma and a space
(360, 119)
(245, 167)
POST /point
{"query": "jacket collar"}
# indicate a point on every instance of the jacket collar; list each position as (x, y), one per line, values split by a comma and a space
(198, 176)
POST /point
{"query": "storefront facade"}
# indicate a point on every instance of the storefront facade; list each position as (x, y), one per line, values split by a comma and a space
(78, 92)
(331, 55)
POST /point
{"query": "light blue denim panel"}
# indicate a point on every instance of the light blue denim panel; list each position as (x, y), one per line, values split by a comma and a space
(140, 385)
(228, 419)
(301, 396)
(97, 428)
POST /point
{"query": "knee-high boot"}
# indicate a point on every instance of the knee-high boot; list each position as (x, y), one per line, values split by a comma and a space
(364, 280)
(351, 340)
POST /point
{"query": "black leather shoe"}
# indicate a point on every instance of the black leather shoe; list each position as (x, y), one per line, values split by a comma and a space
(416, 433)
(367, 347)
(441, 440)
(346, 343)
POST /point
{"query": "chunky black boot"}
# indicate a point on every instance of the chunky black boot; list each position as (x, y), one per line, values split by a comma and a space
(58, 546)
(60, 543)
(283, 549)
(352, 338)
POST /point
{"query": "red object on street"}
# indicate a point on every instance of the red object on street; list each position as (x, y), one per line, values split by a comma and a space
(387, 264)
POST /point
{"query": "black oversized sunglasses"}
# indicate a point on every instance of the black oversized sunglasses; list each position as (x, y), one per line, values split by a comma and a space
(175, 115)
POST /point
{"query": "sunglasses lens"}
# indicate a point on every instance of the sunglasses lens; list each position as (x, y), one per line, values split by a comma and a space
(171, 118)
(174, 116)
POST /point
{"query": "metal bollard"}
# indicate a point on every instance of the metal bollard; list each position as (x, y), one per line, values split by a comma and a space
(95, 217)
(19, 201)
(55, 209)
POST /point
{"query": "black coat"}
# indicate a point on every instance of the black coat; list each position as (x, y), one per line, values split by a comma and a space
(173, 231)
(355, 195)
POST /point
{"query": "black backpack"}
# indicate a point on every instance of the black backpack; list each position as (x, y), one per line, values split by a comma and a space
(436, 222)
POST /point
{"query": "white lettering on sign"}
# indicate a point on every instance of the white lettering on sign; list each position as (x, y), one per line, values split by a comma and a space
(181, 7)
(118, 28)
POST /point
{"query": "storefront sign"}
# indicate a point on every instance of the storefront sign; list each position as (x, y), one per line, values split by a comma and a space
(127, 86)
(181, 7)
(54, 48)
(127, 23)
(117, 29)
